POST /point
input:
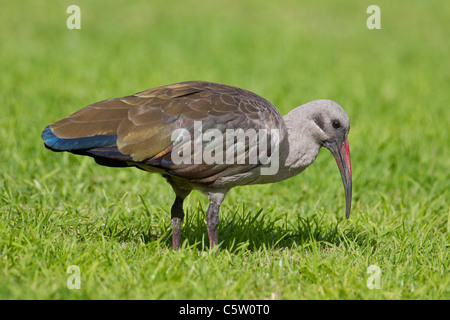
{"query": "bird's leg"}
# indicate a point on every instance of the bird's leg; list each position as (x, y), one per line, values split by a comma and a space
(176, 213)
(176, 216)
(212, 221)
(212, 216)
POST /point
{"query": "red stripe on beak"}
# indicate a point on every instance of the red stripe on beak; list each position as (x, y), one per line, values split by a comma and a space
(348, 163)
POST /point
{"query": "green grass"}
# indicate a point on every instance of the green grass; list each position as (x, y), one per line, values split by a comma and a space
(283, 241)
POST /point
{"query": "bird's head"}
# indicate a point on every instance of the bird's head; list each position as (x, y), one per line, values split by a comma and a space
(330, 129)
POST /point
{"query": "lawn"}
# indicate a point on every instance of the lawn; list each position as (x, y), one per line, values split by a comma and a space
(288, 240)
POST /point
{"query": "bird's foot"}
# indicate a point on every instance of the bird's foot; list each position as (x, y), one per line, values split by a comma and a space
(214, 241)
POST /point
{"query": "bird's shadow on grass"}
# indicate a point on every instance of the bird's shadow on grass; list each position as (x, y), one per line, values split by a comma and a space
(256, 230)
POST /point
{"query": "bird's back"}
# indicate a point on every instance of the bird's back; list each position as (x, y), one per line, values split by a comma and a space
(137, 130)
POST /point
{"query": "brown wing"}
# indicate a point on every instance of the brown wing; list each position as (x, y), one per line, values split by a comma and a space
(142, 125)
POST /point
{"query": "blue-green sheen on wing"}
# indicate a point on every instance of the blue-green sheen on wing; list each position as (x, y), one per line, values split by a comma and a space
(62, 144)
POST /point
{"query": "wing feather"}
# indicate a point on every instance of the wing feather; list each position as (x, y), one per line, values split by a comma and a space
(142, 125)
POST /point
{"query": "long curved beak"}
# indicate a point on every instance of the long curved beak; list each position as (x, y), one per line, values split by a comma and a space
(341, 152)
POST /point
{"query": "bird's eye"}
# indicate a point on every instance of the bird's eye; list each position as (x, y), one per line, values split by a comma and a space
(336, 124)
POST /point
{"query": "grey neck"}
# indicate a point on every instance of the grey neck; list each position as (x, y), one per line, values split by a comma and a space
(299, 148)
(302, 148)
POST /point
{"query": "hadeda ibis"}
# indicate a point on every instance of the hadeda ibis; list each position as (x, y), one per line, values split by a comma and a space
(170, 129)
